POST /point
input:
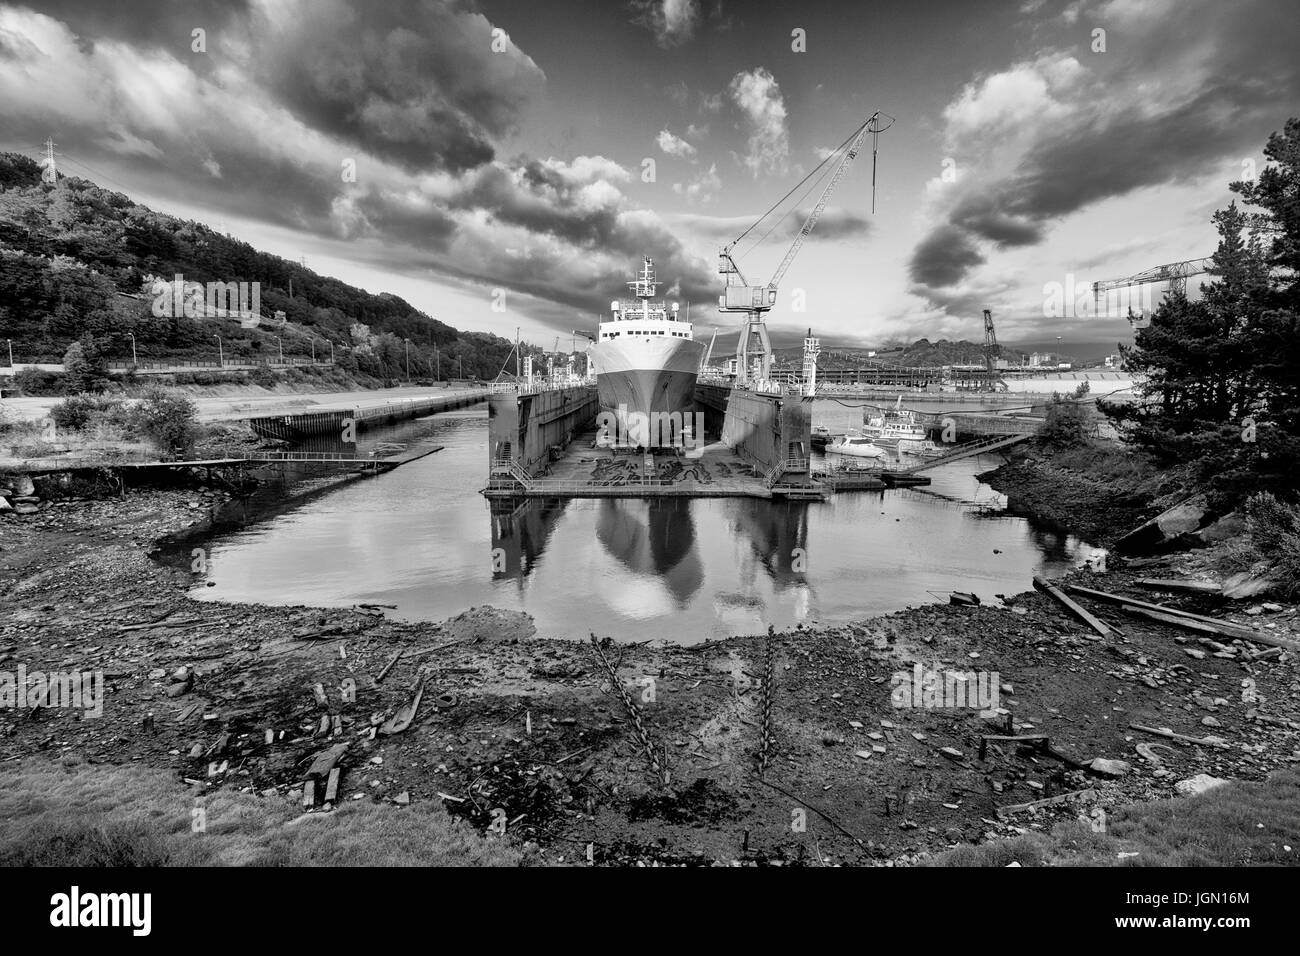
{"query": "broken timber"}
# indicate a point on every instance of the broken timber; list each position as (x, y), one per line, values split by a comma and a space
(1226, 628)
(1088, 794)
(1166, 732)
(1105, 630)
(1195, 587)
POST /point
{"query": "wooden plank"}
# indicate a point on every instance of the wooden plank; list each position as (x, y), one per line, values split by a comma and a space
(1169, 734)
(1244, 631)
(332, 787)
(1164, 584)
(1206, 627)
(1088, 794)
(1105, 630)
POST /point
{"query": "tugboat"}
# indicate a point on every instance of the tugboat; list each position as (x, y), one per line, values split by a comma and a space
(821, 437)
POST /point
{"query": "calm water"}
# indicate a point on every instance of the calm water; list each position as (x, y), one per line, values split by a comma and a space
(422, 538)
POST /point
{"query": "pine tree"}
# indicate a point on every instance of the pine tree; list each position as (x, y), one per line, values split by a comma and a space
(1222, 374)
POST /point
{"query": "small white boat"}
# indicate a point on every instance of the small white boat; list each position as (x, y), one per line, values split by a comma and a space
(856, 446)
(923, 448)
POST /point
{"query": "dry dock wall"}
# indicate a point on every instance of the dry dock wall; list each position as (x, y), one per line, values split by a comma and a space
(295, 427)
(765, 429)
(522, 427)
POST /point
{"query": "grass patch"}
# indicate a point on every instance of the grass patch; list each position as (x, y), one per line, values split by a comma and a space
(1239, 824)
(1107, 461)
(97, 815)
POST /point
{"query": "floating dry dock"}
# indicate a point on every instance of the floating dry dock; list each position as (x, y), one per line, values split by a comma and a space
(542, 445)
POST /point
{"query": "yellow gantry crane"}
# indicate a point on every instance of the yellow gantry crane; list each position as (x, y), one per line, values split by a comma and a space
(739, 295)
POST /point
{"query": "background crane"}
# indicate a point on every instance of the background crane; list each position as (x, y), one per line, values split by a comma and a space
(1175, 273)
(754, 300)
(991, 350)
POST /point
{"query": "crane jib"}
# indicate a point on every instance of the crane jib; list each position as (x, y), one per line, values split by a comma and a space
(854, 145)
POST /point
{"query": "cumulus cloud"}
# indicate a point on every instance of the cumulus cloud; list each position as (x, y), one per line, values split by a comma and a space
(944, 257)
(674, 145)
(757, 95)
(836, 223)
(238, 132)
(702, 187)
(672, 22)
(1055, 133)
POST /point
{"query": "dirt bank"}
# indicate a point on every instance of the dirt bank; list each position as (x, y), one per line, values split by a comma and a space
(1071, 493)
(530, 734)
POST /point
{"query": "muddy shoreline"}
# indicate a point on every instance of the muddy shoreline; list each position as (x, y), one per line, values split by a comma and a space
(530, 732)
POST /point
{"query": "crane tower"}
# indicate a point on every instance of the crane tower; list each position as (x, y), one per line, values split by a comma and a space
(754, 349)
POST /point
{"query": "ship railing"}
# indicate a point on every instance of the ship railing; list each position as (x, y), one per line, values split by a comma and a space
(540, 386)
(790, 466)
(579, 485)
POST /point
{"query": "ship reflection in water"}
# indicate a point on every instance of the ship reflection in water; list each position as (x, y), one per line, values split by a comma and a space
(654, 542)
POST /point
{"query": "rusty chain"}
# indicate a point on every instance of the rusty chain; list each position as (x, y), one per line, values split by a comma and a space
(633, 711)
(769, 673)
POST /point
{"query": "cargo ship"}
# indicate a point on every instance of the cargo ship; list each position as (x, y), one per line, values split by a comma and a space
(645, 356)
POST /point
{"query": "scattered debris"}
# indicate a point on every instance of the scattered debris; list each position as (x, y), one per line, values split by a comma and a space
(406, 713)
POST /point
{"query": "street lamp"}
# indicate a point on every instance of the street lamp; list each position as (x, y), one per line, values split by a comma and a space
(460, 366)
(134, 361)
(313, 351)
(221, 355)
(11, 352)
(408, 359)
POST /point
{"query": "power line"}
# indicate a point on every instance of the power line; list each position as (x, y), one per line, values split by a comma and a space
(94, 171)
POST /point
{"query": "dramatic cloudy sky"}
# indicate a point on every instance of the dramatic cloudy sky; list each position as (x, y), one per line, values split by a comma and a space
(1022, 153)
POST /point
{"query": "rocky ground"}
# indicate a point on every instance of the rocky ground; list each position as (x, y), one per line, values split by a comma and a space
(534, 737)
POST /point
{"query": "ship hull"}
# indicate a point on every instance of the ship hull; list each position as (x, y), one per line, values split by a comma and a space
(647, 376)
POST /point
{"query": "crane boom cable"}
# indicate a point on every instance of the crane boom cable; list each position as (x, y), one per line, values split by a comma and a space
(786, 215)
(840, 170)
(772, 208)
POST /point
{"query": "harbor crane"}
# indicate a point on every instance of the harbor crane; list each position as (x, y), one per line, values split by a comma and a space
(991, 351)
(754, 358)
(1175, 273)
(708, 353)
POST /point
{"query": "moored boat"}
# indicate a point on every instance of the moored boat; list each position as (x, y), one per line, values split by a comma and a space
(891, 426)
(922, 448)
(856, 446)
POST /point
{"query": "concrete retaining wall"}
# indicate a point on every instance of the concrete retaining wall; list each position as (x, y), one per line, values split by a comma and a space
(523, 427)
(763, 429)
